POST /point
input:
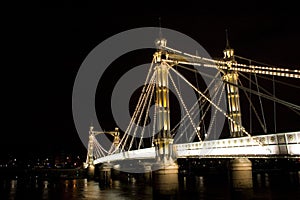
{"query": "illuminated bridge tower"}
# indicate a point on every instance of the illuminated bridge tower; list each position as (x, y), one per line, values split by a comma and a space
(234, 109)
(90, 155)
(240, 168)
(163, 141)
(166, 170)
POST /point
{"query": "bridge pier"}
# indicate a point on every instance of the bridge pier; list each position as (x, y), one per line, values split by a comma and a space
(105, 174)
(91, 171)
(148, 173)
(241, 173)
(165, 171)
(165, 179)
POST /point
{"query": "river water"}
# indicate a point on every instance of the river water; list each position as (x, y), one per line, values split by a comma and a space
(214, 186)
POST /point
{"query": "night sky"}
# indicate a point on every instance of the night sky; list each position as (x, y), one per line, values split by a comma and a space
(46, 49)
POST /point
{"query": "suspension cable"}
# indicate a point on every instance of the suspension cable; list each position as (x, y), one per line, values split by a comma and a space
(261, 106)
(199, 99)
(145, 97)
(133, 119)
(213, 96)
(217, 107)
(138, 104)
(276, 71)
(268, 68)
(197, 83)
(184, 106)
(250, 94)
(253, 107)
(154, 123)
(147, 113)
(274, 106)
(215, 113)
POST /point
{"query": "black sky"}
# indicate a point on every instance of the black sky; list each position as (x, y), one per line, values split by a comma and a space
(46, 49)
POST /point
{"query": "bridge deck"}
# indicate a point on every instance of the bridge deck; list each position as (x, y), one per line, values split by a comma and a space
(284, 144)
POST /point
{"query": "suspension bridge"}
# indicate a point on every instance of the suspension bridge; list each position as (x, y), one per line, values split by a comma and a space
(191, 137)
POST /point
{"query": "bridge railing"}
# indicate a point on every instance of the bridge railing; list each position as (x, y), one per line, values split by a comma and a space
(273, 144)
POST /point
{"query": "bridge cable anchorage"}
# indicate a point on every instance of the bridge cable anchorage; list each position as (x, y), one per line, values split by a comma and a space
(137, 106)
(217, 107)
(143, 108)
(184, 106)
(270, 95)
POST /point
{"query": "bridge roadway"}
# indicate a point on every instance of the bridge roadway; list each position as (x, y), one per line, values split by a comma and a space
(272, 145)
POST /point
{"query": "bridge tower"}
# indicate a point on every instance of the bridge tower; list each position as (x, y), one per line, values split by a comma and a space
(231, 77)
(166, 176)
(105, 168)
(90, 155)
(163, 141)
(240, 168)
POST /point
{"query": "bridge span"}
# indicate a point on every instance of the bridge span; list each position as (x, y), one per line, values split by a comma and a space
(272, 145)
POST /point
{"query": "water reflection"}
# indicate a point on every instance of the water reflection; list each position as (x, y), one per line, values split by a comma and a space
(209, 186)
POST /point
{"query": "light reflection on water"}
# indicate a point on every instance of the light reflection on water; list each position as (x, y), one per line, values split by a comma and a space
(266, 186)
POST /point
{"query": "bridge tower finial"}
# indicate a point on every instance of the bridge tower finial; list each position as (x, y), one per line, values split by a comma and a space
(228, 51)
(227, 40)
(160, 32)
